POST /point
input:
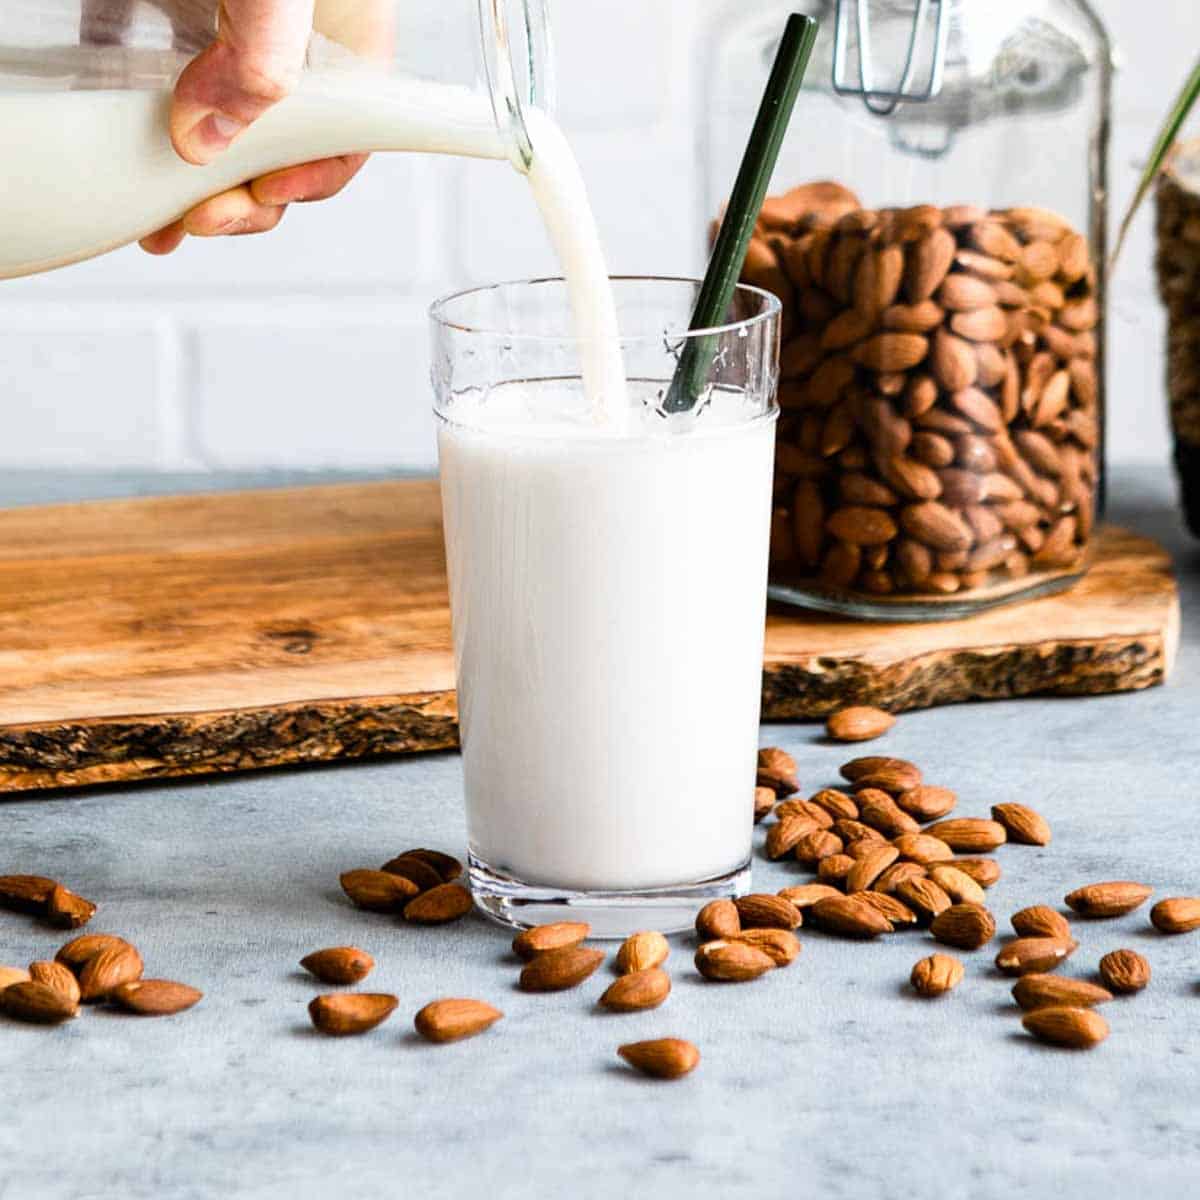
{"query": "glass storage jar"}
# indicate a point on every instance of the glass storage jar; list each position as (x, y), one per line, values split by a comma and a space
(936, 232)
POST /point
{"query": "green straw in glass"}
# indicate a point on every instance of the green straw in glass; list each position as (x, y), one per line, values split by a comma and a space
(733, 240)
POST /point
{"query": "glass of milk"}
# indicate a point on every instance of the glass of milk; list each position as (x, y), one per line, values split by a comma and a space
(607, 567)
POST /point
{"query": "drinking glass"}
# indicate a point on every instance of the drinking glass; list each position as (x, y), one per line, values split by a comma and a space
(608, 593)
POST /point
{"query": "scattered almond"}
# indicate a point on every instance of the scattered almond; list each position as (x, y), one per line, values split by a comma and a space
(786, 832)
(339, 964)
(641, 951)
(26, 893)
(872, 864)
(1041, 991)
(558, 936)
(65, 910)
(836, 803)
(718, 919)
(802, 896)
(923, 896)
(1022, 824)
(895, 780)
(878, 810)
(1073, 1028)
(557, 970)
(1023, 955)
(1125, 971)
(1108, 899)
(958, 885)
(662, 1058)
(108, 970)
(378, 891)
(11, 975)
(446, 865)
(859, 723)
(936, 975)
(855, 831)
(345, 1014)
(969, 835)
(985, 871)
(927, 803)
(1040, 920)
(761, 910)
(780, 945)
(732, 961)
(78, 951)
(815, 846)
(777, 770)
(637, 991)
(965, 926)
(1178, 914)
(416, 870)
(899, 914)
(897, 769)
(155, 997)
(848, 916)
(36, 1003)
(922, 848)
(453, 1019)
(446, 902)
(57, 976)
(764, 801)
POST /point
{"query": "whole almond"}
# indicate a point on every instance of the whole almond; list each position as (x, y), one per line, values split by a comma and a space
(804, 808)
(985, 871)
(852, 832)
(65, 910)
(922, 848)
(108, 970)
(936, 975)
(872, 764)
(378, 891)
(446, 902)
(36, 1003)
(1023, 825)
(718, 919)
(777, 770)
(761, 910)
(1073, 1028)
(764, 801)
(641, 951)
(936, 525)
(815, 846)
(661, 1058)
(872, 864)
(414, 869)
(859, 723)
(965, 926)
(1124, 971)
(637, 991)
(1023, 955)
(834, 869)
(836, 803)
(1042, 991)
(785, 833)
(923, 896)
(338, 964)
(57, 976)
(887, 883)
(1178, 914)
(453, 1019)
(1112, 899)
(864, 846)
(732, 961)
(884, 815)
(155, 997)
(557, 970)
(76, 953)
(560, 935)
(803, 896)
(891, 351)
(848, 916)
(927, 803)
(969, 835)
(11, 975)
(958, 885)
(928, 261)
(446, 865)
(345, 1014)
(898, 913)
(26, 893)
(779, 944)
(1040, 920)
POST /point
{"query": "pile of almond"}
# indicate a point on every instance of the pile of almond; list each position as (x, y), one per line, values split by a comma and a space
(419, 884)
(940, 394)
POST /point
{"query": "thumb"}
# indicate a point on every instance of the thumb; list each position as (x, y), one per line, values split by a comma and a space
(255, 61)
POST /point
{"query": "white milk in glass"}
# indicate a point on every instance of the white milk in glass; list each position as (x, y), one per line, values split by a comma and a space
(609, 594)
(88, 171)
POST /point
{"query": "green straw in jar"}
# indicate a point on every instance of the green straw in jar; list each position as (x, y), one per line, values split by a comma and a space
(745, 202)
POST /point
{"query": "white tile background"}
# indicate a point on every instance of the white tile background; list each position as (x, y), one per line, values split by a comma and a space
(307, 347)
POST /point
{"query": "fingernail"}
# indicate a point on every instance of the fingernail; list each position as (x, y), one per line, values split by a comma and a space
(212, 135)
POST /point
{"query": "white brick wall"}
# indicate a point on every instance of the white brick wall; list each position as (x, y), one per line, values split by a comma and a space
(308, 347)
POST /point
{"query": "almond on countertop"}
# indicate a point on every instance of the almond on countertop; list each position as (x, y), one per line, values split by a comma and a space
(11, 975)
(26, 893)
(453, 1019)
(859, 723)
(964, 926)
(378, 891)
(446, 902)
(969, 835)
(558, 970)
(848, 916)
(65, 910)
(897, 769)
(36, 1003)
(155, 997)
(57, 976)
(99, 976)
(559, 935)
(762, 910)
(777, 770)
(1023, 955)
(1070, 1027)
(780, 945)
(1038, 990)
(641, 951)
(1040, 920)
(1177, 914)
(338, 964)
(1023, 825)
(1112, 899)
(718, 919)
(661, 1058)
(936, 975)
(1124, 971)
(637, 991)
(732, 961)
(346, 1014)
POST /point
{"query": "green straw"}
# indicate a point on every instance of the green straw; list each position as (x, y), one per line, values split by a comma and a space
(733, 240)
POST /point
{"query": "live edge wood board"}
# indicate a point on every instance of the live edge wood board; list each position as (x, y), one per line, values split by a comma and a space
(144, 639)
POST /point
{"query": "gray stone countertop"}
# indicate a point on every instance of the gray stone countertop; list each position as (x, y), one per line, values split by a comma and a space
(830, 1079)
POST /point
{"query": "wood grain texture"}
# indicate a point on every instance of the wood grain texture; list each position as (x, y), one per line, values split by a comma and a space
(178, 636)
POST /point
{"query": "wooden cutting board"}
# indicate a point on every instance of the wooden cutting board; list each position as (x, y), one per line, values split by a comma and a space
(192, 634)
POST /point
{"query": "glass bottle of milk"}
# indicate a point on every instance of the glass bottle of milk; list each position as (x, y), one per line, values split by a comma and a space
(85, 91)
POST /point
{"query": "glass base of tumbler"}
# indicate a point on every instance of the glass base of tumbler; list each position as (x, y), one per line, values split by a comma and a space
(610, 914)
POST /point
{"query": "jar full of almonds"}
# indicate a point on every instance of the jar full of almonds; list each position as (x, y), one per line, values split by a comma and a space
(936, 232)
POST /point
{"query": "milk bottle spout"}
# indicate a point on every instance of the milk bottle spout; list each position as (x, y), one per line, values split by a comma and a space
(85, 89)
